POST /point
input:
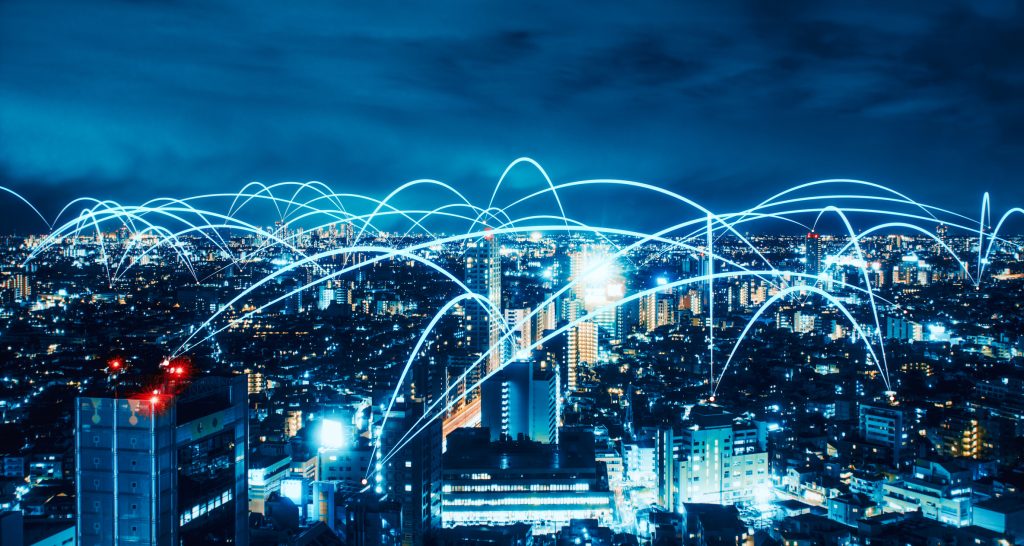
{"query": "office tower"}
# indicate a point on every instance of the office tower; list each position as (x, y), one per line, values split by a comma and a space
(167, 468)
(712, 458)
(483, 276)
(521, 401)
(812, 265)
(581, 352)
(412, 477)
(520, 321)
(503, 483)
(884, 426)
(545, 319)
(657, 309)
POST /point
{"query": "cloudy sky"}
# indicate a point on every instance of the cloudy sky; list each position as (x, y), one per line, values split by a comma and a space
(721, 101)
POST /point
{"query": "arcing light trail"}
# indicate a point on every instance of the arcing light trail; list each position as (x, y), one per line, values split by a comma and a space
(695, 230)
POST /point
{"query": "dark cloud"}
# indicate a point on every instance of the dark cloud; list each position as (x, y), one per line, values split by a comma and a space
(720, 101)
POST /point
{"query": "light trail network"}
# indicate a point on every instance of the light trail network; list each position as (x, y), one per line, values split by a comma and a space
(383, 230)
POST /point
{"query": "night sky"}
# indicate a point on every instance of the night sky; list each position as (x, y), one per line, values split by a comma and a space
(725, 102)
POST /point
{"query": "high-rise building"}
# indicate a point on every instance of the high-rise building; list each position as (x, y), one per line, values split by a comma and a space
(483, 276)
(521, 401)
(885, 426)
(812, 265)
(581, 352)
(712, 458)
(657, 309)
(520, 321)
(412, 477)
(167, 468)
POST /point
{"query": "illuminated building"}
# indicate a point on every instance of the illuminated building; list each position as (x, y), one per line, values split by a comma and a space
(884, 426)
(581, 352)
(812, 265)
(483, 276)
(257, 382)
(22, 287)
(343, 456)
(162, 468)
(267, 470)
(903, 329)
(640, 462)
(656, 309)
(521, 401)
(502, 483)
(525, 329)
(958, 435)
(712, 458)
(940, 491)
(292, 422)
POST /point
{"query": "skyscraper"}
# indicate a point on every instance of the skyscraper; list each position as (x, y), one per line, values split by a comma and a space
(581, 352)
(885, 426)
(812, 265)
(412, 477)
(483, 276)
(166, 468)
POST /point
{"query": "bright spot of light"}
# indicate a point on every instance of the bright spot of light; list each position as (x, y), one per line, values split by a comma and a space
(662, 281)
(536, 236)
(292, 489)
(331, 434)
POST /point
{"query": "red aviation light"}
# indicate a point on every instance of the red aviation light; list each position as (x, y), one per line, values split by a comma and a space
(115, 364)
(813, 235)
(177, 369)
(489, 233)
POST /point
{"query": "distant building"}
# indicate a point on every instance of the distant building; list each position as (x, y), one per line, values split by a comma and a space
(903, 330)
(581, 352)
(812, 257)
(483, 277)
(885, 426)
(518, 534)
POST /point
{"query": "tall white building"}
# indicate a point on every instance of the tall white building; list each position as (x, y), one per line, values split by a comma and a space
(483, 276)
(713, 458)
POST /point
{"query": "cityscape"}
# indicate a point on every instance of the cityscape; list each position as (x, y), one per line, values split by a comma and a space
(177, 375)
(537, 274)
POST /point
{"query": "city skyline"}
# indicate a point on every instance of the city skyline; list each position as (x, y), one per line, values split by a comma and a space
(649, 274)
